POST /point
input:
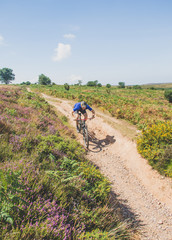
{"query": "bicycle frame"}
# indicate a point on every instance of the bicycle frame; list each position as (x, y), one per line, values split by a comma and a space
(81, 125)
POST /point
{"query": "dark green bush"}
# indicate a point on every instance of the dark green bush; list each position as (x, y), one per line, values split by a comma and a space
(66, 86)
(168, 95)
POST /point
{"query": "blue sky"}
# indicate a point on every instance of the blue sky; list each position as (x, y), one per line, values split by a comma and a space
(70, 40)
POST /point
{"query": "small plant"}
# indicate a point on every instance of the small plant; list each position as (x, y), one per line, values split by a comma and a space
(10, 198)
(168, 95)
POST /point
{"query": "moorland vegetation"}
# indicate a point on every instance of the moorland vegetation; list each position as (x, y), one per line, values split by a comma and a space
(48, 189)
(147, 108)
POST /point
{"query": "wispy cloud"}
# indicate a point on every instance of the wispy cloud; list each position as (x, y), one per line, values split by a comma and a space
(69, 36)
(62, 51)
(1, 40)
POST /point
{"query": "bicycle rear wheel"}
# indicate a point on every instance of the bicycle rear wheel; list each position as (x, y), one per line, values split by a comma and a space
(85, 137)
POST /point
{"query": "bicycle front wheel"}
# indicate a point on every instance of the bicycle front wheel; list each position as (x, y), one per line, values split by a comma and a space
(85, 137)
(78, 126)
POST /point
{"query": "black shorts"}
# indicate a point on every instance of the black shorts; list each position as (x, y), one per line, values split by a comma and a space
(81, 110)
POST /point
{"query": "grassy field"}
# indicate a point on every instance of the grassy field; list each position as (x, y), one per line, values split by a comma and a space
(158, 86)
(141, 107)
(146, 108)
(49, 190)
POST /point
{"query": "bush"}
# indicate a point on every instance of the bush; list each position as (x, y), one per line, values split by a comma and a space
(166, 158)
(121, 84)
(155, 145)
(59, 194)
(92, 83)
(66, 86)
(137, 87)
(108, 85)
(10, 189)
(168, 95)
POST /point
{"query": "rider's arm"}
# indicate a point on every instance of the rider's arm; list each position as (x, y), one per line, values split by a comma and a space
(93, 113)
(76, 108)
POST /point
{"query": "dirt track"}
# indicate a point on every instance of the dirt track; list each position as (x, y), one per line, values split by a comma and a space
(145, 196)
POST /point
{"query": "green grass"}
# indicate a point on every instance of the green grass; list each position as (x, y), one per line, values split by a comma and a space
(141, 107)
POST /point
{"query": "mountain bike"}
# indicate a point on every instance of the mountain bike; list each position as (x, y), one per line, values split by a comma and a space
(82, 128)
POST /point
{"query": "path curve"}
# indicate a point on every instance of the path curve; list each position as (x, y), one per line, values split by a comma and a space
(145, 195)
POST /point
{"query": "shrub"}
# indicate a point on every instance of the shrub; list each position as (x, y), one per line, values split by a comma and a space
(10, 189)
(168, 95)
(108, 85)
(166, 158)
(66, 86)
(137, 87)
(155, 145)
(64, 195)
(121, 84)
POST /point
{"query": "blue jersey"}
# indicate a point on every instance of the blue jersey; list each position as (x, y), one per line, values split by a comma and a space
(77, 107)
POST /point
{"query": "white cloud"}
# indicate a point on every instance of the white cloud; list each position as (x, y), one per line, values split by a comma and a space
(69, 36)
(74, 78)
(62, 51)
(1, 40)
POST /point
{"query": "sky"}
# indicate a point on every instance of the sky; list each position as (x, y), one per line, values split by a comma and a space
(110, 41)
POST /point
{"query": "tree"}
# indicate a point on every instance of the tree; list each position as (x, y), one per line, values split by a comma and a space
(25, 83)
(99, 85)
(6, 75)
(44, 80)
(96, 82)
(79, 82)
(92, 83)
(168, 95)
(121, 84)
(108, 85)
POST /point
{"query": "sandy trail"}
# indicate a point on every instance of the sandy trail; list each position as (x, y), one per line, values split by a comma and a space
(145, 196)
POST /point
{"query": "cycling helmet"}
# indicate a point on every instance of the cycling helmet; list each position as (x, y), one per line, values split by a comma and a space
(83, 104)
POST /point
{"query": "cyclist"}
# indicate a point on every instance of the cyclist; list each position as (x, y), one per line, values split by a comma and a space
(82, 107)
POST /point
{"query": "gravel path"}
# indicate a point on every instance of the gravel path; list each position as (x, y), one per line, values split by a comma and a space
(145, 196)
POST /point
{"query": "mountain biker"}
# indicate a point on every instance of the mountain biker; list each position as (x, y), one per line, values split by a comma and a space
(82, 107)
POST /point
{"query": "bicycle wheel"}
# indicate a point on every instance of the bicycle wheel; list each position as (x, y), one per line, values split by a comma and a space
(85, 137)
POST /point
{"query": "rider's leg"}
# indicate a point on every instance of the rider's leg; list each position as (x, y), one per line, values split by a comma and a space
(85, 116)
(77, 118)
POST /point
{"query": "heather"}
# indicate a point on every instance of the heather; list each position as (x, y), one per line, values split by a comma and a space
(48, 188)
